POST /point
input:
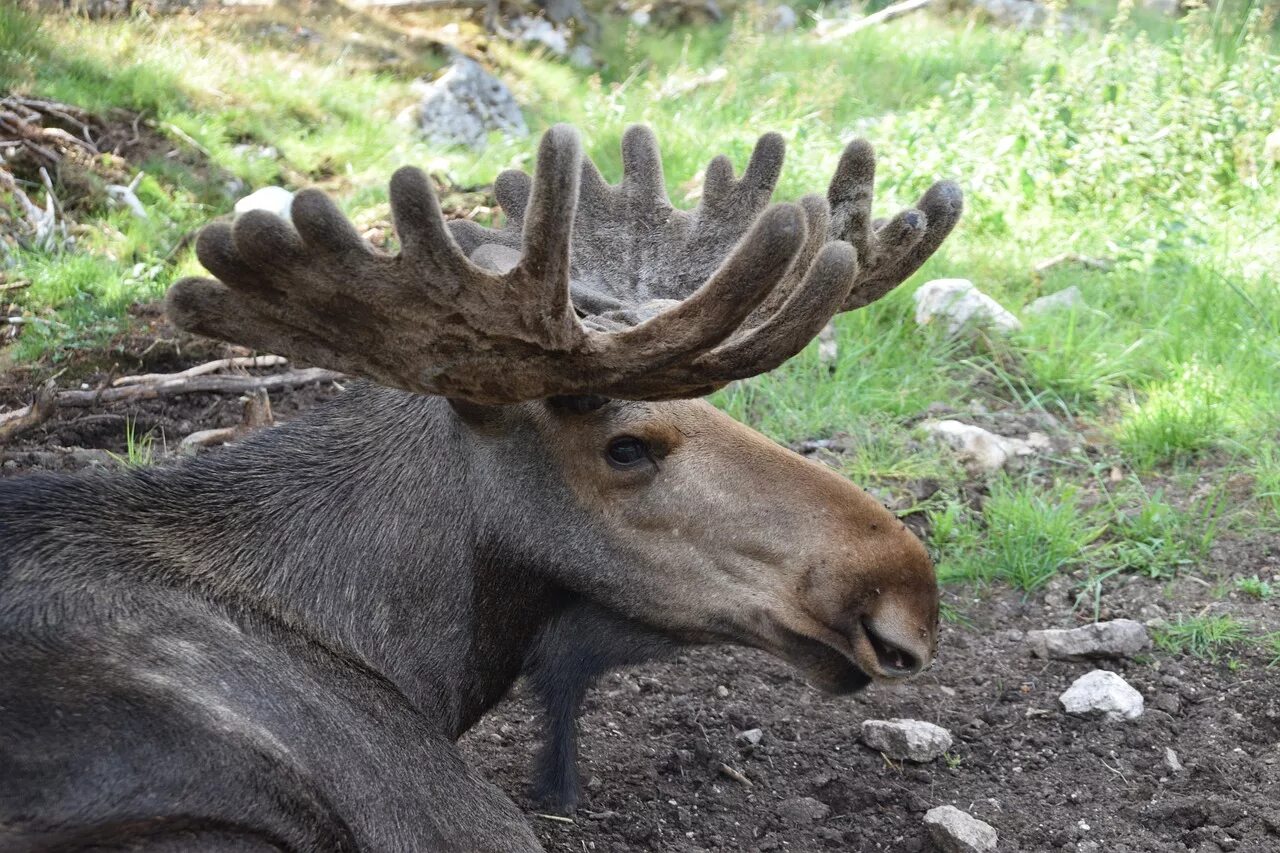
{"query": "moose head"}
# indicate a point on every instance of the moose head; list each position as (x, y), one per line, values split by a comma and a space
(570, 345)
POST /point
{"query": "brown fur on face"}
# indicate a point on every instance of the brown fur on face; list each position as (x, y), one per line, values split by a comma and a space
(735, 538)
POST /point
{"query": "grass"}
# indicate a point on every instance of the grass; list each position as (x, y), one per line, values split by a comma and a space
(1254, 587)
(1141, 142)
(1200, 636)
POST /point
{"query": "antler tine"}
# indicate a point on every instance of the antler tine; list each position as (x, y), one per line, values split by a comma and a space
(549, 222)
(744, 198)
(642, 176)
(891, 251)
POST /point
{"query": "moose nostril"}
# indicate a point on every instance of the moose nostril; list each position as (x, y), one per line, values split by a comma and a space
(894, 659)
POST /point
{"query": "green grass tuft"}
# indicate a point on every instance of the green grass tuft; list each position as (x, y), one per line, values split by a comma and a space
(1200, 636)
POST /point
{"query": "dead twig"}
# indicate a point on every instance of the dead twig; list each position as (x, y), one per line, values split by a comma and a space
(257, 414)
(888, 13)
(204, 369)
(30, 417)
(1102, 264)
(14, 285)
(737, 776)
(198, 385)
(21, 420)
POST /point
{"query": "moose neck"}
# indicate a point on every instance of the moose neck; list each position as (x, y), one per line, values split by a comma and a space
(377, 526)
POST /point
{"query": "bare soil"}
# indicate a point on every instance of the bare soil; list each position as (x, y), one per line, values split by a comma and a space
(656, 739)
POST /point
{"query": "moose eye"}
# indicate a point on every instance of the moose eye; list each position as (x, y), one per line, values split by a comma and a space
(627, 452)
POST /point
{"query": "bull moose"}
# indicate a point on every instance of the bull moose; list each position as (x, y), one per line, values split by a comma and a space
(276, 646)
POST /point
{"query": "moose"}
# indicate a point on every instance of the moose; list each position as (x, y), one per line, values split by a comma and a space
(275, 646)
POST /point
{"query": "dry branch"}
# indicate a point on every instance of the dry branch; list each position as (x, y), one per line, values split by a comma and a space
(204, 369)
(28, 417)
(1102, 264)
(888, 13)
(197, 385)
(21, 420)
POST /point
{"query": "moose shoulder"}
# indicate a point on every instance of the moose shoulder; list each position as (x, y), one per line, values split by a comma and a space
(276, 646)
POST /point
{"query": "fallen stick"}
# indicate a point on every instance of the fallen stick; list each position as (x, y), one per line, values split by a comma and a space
(888, 13)
(203, 369)
(1044, 266)
(736, 775)
(14, 285)
(29, 417)
(21, 420)
(198, 385)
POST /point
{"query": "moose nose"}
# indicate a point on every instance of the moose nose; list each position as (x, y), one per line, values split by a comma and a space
(903, 645)
(894, 659)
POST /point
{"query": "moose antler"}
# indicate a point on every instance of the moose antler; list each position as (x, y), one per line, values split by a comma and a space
(672, 304)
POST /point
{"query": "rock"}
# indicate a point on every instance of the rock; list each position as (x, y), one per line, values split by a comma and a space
(1117, 638)
(1171, 761)
(582, 57)
(465, 104)
(1102, 692)
(961, 306)
(906, 740)
(803, 811)
(1063, 300)
(722, 691)
(953, 831)
(275, 200)
(1271, 147)
(751, 737)
(1172, 8)
(540, 31)
(782, 19)
(828, 349)
(981, 450)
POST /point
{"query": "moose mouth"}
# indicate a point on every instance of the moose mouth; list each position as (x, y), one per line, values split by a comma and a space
(829, 669)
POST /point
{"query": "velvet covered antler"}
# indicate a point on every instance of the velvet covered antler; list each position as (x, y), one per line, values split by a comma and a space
(589, 288)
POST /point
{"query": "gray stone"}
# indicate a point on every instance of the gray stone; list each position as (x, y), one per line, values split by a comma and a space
(1171, 760)
(1117, 638)
(1064, 300)
(465, 104)
(982, 450)
(275, 200)
(751, 737)
(828, 347)
(782, 19)
(906, 740)
(961, 306)
(953, 831)
(540, 31)
(803, 811)
(1104, 693)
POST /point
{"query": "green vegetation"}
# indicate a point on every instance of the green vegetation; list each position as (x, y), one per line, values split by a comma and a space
(1201, 636)
(1254, 587)
(1142, 143)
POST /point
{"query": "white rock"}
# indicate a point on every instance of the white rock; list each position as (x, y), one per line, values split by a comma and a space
(1102, 692)
(540, 31)
(953, 831)
(906, 740)
(751, 737)
(465, 104)
(1172, 8)
(1171, 761)
(956, 302)
(828, 348)
(782, 19)
(275, 200)
(1063, 300)
(978, 448)
(1117, 638)
(1271, 147)
(582, 57)
(640, 18)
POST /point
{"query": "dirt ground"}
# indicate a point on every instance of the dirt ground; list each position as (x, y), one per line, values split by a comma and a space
(656, 739)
